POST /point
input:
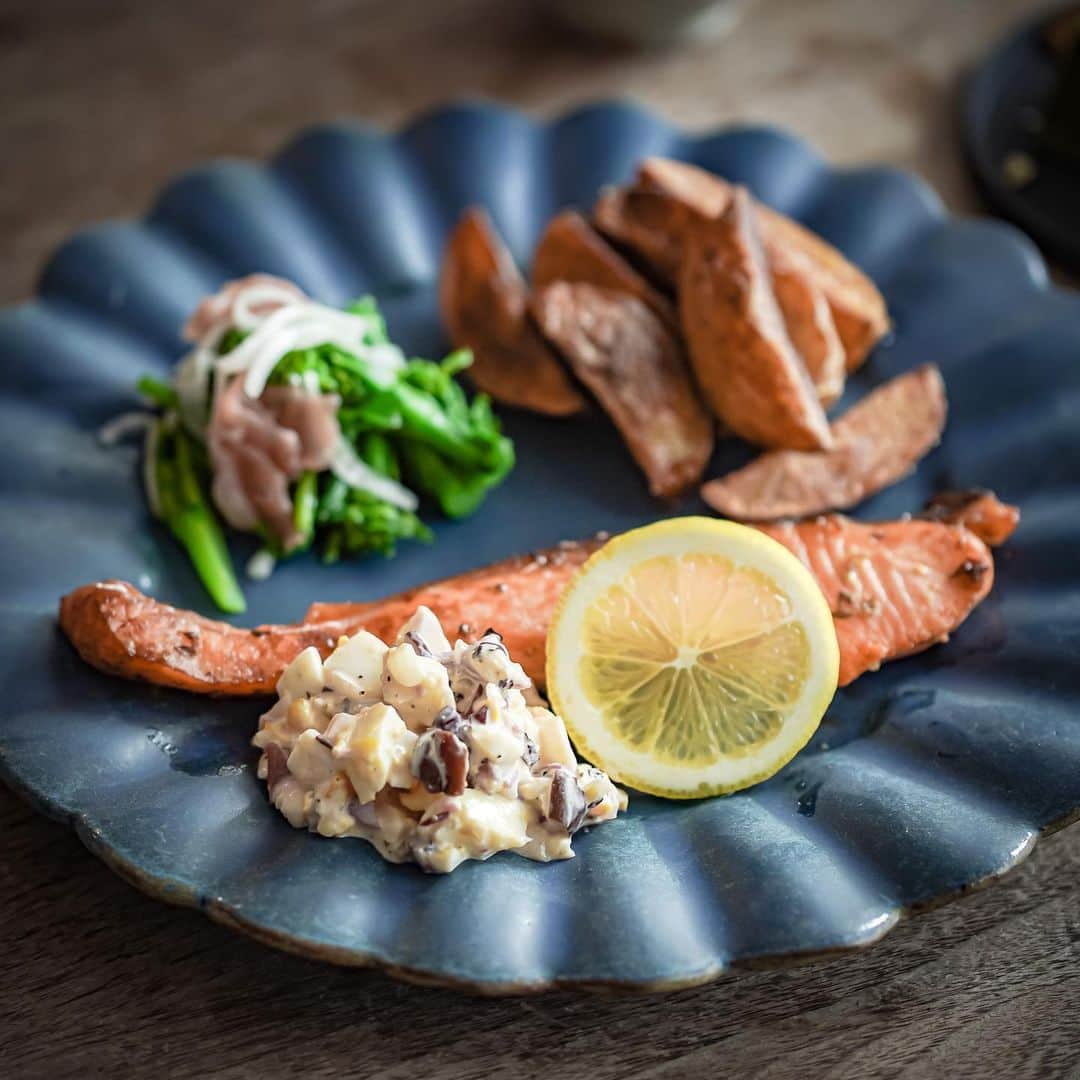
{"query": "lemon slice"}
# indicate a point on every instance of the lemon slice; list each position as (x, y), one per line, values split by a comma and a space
(692, 657)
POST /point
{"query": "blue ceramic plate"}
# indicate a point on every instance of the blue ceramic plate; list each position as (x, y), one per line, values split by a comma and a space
(926, 779)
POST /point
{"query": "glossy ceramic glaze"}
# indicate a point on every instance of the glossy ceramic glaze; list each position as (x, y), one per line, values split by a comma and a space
(925, 779)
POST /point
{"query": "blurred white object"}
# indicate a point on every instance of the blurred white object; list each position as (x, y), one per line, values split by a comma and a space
(650, 22)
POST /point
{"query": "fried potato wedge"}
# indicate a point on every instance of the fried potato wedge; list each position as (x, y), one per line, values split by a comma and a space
(875, 443)
(572, 250)
(857, 306)
(636, 368)
(692, 185)
(656, 224)
(746, 365)
(810, 326)
(484, 305)
(651, 226)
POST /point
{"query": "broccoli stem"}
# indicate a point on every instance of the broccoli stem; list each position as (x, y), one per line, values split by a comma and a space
(201, 536)
(375, 449)
(187, 514)
(426, 422)
(305, 504)
(458, 494)
(423, 418)
(160, 393)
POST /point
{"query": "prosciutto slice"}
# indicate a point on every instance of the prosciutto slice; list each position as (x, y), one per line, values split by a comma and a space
(259, 447)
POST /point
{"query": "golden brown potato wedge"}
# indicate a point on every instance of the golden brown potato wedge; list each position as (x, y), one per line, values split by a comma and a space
(652, 226)
(655, 225)
(635, 367)
(706, 192)
(484, 306)
(810, 326)
(746, 365)
(862, 319)
(572, 250)
(875, 443)
(857, 306)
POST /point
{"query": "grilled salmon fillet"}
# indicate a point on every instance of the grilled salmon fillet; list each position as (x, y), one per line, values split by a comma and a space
(121, 631)
(893, 588)
(875, 444)
(979, 510)
(484, 304)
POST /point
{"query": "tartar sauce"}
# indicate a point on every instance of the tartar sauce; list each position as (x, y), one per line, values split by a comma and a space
(432, 753)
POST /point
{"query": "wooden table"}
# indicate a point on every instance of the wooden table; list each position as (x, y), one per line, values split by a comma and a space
(102, 103)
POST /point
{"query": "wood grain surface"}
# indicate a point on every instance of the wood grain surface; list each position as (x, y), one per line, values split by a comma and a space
(99, 104)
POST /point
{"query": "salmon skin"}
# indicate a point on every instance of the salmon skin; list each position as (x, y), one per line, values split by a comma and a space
(979, 510)
(893, 588)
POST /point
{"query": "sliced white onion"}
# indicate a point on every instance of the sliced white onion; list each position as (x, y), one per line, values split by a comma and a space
(192, 385)
(257, 294)
(388, 359)
(348, 467)
(149, 467)
(304, 324)
(270, 349)
(120, 427)
(261, 565)
(239, 358)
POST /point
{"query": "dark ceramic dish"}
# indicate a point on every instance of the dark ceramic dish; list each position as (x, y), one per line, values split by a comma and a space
(1005, 116)
(927, 779)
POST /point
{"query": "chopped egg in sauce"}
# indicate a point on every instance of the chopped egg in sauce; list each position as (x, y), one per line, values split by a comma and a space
(432, 753)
